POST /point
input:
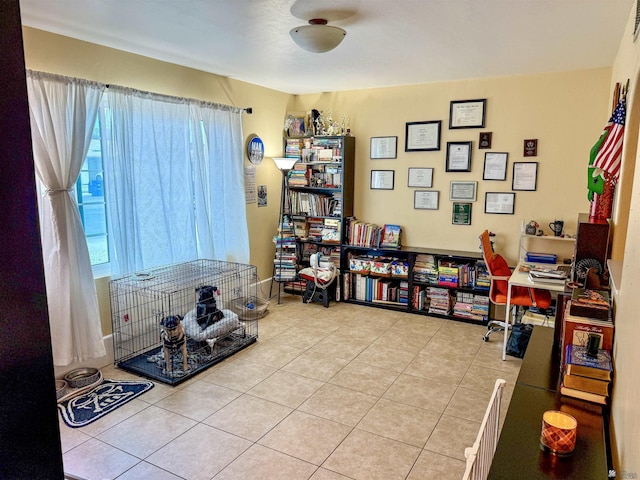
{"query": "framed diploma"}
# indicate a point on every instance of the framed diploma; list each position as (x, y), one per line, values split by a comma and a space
(383, 147)
(422, 136)
(458, 157)
(461, 214)
(421, 177)
(525, 176)
(465, 191)
(499, 203)
(495, 166)
(425, 200)
(467, 113)
(382, 179)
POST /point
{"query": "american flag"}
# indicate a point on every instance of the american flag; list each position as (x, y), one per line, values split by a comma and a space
(610, 152)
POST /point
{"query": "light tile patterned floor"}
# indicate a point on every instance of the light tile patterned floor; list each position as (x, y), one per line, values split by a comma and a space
(345, 392)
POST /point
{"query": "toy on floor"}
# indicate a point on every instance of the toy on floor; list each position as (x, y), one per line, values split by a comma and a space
(173, 340)
(207, 309)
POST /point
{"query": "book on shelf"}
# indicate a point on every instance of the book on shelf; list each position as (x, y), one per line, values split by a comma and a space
(578, 363)
(588, 396)
(586, 384)
(550, 275)
(576, 331)
(547, 280)
(590, 303)
(391, 236)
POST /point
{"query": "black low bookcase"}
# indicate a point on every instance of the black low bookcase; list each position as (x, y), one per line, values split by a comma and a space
(409, 254)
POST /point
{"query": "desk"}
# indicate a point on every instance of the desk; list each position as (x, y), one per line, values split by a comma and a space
(518, 454)
(521, 279)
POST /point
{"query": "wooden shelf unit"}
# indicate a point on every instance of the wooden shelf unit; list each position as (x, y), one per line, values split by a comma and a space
(408, 285)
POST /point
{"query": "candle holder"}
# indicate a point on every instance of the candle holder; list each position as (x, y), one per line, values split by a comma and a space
(559, 433)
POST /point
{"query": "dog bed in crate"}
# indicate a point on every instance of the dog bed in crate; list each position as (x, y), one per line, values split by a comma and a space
(219, 329)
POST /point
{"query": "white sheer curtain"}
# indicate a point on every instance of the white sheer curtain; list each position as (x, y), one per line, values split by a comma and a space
(174, 179)
(63, 111)
(148, 181)
(221, 217)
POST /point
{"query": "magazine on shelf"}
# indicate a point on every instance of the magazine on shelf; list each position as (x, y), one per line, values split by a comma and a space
(391, 236)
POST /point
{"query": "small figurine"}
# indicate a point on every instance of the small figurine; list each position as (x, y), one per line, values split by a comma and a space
(173, 340)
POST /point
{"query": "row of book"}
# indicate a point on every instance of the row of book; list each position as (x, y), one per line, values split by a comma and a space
(376, 289)
(285, 259)
(317, 229)
(466, 305)
(322, 176)
(314, 149)
(587, 346)
(430, 270)
(315, 204)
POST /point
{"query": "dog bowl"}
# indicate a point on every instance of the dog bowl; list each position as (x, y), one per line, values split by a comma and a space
(249, 308)
(81, 377)
(61, 389)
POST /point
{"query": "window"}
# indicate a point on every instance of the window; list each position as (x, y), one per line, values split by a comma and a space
(91, 200)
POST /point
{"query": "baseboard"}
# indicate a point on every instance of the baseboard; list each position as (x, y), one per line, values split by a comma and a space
(99, 362)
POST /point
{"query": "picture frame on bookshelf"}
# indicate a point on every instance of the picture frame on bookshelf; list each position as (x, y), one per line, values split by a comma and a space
(525, 176)
(495, 166)
(295, 124)
(391, 236)
(382, 179)
(463, 191)
(420, 177)
(383, 148)
(458, 157)
(467, 113)
(461, 214)
(501, 203)
(422, 136)
(425, 200)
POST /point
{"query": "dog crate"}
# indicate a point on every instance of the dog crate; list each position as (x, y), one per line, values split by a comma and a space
(160, 314)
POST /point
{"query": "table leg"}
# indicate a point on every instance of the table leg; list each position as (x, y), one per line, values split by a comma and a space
(506, 322)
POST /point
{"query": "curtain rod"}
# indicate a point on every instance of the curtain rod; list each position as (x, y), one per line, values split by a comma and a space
(37, 74)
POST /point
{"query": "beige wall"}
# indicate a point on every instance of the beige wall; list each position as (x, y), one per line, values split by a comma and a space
(625, 409)
(564, 111)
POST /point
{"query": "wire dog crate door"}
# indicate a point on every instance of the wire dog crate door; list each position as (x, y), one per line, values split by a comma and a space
(201, 305)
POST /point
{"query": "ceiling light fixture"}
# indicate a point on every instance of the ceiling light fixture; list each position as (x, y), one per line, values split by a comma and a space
(317, 37)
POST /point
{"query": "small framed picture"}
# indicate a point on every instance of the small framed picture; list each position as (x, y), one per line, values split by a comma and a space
(425, 199)
(382, 179)
(297, 127)
(484, 140)
(525, 176)
(391, 235)
(421, 177)
(502, 203)
(383, 147)
(464, 191)
(461, 214)
(467, 113)
(458, 157)
(531, 147)
(422, 136)
(495, 166)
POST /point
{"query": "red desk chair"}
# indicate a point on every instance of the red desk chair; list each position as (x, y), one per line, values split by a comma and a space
(499, 273)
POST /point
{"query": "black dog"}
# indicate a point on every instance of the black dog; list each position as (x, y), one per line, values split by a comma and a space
(207, 312)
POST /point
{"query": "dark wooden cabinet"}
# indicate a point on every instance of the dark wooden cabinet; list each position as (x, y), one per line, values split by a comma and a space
(592, 242)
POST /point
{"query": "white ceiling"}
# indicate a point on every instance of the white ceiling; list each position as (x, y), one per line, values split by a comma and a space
(388, 42)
